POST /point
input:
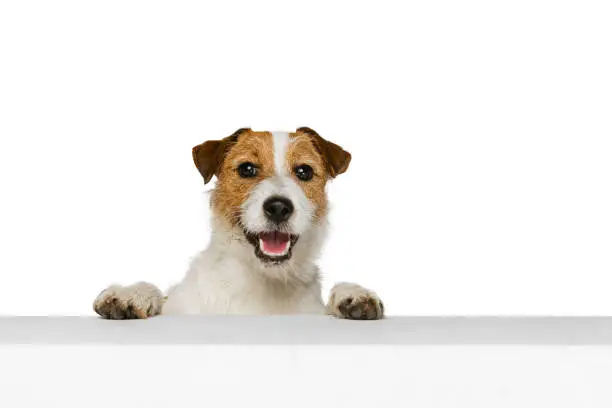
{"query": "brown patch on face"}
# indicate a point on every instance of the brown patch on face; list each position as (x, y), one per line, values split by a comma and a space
(232, 190)
(335, 157)
(326, 158)
(209, 156)
(300, 151)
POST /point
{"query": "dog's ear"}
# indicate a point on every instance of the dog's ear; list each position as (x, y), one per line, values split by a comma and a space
(336, 158)
(208, 156)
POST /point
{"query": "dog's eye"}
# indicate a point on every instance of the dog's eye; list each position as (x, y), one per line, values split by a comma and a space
(247, 170)
(304, 172)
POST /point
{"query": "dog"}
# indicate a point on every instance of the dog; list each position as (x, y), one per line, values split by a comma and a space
(269, 221)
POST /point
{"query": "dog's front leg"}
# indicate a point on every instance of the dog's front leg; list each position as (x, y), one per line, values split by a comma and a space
(351, 301)
(138, 301)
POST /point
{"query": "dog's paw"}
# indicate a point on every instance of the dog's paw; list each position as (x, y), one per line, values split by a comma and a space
(350, 301)
(138, 301)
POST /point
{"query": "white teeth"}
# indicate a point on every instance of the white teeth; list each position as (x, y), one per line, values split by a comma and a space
(261, 246)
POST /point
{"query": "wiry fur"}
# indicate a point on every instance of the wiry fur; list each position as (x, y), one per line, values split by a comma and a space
(227, 277)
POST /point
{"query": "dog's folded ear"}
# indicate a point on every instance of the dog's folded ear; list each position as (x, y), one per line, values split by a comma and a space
(208, 156)
(336, 158)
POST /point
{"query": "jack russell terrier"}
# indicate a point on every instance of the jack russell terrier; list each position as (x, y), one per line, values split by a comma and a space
(269, 221)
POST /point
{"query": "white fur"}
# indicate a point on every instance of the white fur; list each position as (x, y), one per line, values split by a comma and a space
(227, 278)
(281, 142)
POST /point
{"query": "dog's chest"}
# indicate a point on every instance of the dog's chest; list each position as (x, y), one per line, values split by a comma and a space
(231, 287)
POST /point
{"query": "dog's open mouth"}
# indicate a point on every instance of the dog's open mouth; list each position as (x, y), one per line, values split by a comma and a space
(274, 243)
(272, 246)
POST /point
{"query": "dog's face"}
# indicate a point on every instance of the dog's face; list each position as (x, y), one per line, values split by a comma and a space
(271, 185)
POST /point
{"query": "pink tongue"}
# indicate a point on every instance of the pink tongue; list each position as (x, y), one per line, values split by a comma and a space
(274, 242)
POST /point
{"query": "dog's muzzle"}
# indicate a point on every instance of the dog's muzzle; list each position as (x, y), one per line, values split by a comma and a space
(275, 244)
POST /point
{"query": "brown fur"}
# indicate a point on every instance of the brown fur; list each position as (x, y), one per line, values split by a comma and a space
(302, 150)
(336, 158)
(232, 190)
(208, 156)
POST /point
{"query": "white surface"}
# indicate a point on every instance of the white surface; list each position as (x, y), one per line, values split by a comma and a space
(309, 376)
(541, 370)
(306, 330)
(482, 128)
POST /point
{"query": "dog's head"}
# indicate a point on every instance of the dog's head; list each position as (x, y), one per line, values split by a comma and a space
(271, 185)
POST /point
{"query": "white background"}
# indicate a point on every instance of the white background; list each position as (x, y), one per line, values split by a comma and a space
(481, 135)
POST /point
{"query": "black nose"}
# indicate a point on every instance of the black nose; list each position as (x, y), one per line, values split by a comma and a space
(278, 209)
